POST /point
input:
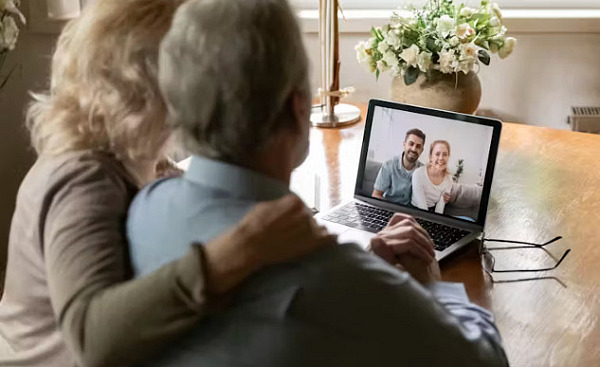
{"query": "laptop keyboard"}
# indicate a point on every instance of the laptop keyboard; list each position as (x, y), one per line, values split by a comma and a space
(372, 219)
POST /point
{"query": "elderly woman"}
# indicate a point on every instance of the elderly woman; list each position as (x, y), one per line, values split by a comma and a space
(68, 299)
(430, 183)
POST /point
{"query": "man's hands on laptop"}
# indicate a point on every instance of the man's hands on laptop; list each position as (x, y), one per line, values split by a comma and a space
(403, 242)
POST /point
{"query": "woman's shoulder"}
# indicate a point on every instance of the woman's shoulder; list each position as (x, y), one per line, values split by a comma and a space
(81, 162)
(420, 171)
(97, 170)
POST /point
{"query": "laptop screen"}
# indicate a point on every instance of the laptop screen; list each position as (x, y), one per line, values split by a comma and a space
(429, 160)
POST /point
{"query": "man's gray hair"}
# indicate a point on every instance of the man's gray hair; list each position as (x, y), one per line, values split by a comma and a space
(227, 69)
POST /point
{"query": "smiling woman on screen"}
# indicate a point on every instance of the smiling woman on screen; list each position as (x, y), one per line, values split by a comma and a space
(431, 182)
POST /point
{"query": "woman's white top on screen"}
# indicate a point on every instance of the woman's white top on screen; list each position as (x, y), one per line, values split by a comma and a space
(426, 194)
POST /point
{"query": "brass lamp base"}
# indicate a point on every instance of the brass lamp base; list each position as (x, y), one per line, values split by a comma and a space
(344, 114)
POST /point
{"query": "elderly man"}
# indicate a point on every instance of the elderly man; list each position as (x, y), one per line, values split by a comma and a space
(234, 75)
(394, 180)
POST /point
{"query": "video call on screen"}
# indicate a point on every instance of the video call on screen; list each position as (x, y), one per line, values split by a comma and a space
(446, 179)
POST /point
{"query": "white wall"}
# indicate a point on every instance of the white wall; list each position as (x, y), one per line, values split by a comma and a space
(467, 141)
(537, 85)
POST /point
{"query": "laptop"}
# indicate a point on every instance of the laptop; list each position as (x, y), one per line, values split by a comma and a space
(448, 188)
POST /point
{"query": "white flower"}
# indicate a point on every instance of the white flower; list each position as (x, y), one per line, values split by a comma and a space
(390, 58)
(407, 16)
(425, 61)
(392, 39)
(382, 66)
(496, 10)
(448, 62)
(371, 43)
(468, 50)
(493, 47)
(454, 41)
(445, 25)
(361, 52)
(464, 30)
(382, 46)
(363, 57)
(507, 48)
(9, 32)
(466, 66)
(411, 55)
(466, 11)
(495, 22)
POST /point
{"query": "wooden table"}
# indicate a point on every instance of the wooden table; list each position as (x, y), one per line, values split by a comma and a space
(547, 183)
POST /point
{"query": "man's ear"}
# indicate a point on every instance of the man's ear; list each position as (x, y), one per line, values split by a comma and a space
(300, 105)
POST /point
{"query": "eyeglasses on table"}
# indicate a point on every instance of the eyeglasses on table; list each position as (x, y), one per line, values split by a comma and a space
(489, 261)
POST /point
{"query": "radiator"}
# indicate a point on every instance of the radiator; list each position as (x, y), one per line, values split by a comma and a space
(585, 119)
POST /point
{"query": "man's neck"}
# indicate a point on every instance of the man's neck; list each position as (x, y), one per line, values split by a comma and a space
(272, 165)
(408, 165)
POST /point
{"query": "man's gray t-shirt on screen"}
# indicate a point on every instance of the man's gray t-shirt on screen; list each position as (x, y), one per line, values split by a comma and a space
(395, 181)
(340, 306)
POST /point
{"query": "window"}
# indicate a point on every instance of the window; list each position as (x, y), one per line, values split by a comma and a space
(513, 4)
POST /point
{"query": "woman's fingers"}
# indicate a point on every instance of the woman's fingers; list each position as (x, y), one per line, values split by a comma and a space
(276, 211)
(282, 230)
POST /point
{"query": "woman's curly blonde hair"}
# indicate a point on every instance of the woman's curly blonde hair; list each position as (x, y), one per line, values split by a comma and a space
(104, 92)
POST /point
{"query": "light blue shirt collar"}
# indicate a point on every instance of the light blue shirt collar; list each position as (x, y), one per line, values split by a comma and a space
(237, 181)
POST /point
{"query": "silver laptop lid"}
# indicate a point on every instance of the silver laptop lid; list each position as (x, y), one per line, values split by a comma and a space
(467, 146)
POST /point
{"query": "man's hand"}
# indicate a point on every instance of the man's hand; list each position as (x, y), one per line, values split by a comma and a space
(418, 269)
(403, 235)
(377, 194)
(273, 232)
(404, 242)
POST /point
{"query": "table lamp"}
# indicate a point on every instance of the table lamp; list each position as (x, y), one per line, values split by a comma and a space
(329, 112)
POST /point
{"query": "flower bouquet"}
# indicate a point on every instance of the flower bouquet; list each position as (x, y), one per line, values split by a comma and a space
(9, 33)
(442, 37)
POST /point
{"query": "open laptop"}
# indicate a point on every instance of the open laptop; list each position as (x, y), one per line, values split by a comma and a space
(473, 143)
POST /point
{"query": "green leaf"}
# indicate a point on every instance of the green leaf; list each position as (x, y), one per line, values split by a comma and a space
(484, 57)
(411, 75)
(482, 43)
(373, 32)
(432, 45)
(376, 74)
